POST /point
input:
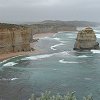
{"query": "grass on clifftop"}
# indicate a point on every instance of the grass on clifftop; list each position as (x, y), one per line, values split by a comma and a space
(69, 96)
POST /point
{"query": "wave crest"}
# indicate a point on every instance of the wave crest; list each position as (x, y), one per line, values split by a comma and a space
(70, 62)
(9, 64)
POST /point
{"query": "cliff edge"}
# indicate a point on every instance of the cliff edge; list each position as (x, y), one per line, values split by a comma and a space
(14, 38)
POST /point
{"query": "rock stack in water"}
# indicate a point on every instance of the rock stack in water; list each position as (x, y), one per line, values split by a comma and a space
(86, 40)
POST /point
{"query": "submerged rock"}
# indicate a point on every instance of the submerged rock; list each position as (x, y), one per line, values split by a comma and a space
(86, 40)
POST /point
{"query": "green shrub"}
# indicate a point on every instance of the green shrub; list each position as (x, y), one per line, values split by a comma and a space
(69, 96)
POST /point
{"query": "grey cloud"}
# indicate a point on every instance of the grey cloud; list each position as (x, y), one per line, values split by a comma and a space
(37, 10)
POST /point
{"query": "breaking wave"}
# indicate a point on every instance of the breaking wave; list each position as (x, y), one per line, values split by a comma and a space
(70, 62)
(83, 56)
(96, 30)
(64, 54)
(44, 56)
(53, 47)
(58, 39)
(9, 79)
(38, 57)
(98, 35)
(95, 51)
(4, 61)
(9, 64)
(72, 54)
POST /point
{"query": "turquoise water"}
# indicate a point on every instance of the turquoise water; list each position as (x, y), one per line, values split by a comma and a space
(59, 70)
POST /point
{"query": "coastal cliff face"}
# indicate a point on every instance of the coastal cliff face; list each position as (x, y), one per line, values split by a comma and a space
(86, 40)
(50, 28)
(14, 39)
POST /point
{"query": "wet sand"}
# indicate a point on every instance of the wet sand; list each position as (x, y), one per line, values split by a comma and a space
(36, 51)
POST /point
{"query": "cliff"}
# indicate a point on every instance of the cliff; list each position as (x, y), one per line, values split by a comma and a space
(50, 28)
(86, 40)
(14, 38)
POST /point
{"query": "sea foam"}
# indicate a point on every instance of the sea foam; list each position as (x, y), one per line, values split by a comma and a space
(9, 64)
(9, 79)
(95, 51)
(4, 61)
(38, 57)
(58, 39)
(53, 47)
(98, 35)
(12, 79)
(70, 62)
(96, 30)
(83, 56)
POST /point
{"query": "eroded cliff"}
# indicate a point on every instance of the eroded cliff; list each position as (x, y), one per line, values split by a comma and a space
(14, 38)
(86, 40)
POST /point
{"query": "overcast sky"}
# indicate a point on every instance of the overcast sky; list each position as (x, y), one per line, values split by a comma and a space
(38, 10)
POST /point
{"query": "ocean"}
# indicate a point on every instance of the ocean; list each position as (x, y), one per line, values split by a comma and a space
(59, 70)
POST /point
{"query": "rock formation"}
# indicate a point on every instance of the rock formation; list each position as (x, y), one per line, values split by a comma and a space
(86, 40)
(14, 39)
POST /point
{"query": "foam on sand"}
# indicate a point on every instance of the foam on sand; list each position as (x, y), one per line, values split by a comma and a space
(4, 61)
(38, 57)
(9, 64)
(70, 62)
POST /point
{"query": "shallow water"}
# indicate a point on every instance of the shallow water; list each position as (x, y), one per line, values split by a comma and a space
(59, 70)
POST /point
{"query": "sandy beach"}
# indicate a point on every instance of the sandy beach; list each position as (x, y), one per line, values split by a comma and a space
(41, 35)
(36, 51)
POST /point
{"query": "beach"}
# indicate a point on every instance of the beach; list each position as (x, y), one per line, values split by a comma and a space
(36, 51)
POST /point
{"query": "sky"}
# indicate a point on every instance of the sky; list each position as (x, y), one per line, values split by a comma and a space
(39, 10)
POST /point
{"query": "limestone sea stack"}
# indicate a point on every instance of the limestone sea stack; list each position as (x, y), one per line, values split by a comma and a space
(86, 40)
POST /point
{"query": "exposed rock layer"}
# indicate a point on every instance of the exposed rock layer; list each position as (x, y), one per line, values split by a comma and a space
(86, 39)
(14, 39)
